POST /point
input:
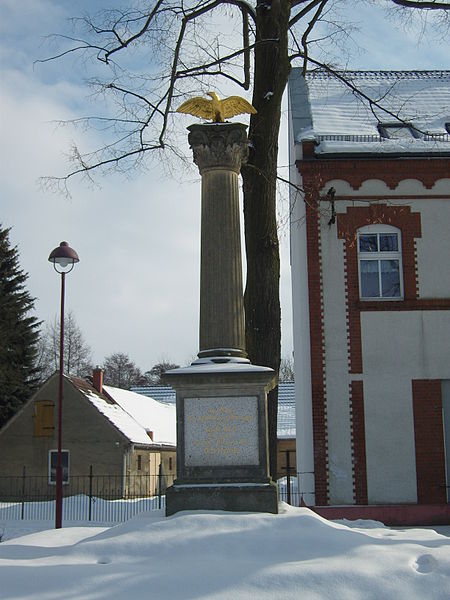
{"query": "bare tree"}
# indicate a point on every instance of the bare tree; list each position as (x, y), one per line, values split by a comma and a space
(121, 371)
(286, 370)
(77, 353)
(154, 376)
(180, 47)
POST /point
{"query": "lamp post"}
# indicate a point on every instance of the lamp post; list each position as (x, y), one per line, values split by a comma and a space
(63, 258)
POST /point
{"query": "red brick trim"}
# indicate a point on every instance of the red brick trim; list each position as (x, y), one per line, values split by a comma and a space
(419, 304)
(358, 432)
(317, 352)
(429, 441)
(390, 197)
(390, 170)
(347, 224)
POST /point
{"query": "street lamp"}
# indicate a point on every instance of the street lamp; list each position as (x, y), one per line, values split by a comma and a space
(63, 258)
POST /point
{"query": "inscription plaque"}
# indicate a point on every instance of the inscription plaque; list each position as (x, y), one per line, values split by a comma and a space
(221, 431)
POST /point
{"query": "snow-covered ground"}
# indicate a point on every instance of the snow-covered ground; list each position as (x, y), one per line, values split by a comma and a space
(219, 555)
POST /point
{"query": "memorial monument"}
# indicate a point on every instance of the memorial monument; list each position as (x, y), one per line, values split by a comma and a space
(222, 440)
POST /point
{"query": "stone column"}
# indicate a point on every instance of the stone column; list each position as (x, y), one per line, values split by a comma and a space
(222, 442)
(219, 150)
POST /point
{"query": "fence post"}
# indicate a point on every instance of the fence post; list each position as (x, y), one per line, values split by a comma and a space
(288, 478)
(90, 493)
(159, 485)
(23, 491)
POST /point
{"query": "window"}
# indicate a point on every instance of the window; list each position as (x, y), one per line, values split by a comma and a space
(53, 461)
(170, 463)
(397, 131)
(380, 263)
(139, 462)
(43, 418)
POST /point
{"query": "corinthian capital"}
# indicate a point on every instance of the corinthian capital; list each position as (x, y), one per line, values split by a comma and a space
(219, 145)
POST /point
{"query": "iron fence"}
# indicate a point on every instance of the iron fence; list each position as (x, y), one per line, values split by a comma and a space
(99, 498)
(94, 498)
(288, 490)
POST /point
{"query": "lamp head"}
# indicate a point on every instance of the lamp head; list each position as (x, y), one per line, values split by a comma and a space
(63, 256)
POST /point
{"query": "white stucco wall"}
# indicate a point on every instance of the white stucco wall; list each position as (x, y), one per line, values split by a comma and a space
(397, 348)
(336, 361)
(433, 248)
(301, 336)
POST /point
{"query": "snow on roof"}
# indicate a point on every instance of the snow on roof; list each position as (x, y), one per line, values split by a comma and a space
(324, 108)
(148, 412)
(132, 414)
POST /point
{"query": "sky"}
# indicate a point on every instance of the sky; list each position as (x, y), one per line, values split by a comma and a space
(218, 555)
(136, 287)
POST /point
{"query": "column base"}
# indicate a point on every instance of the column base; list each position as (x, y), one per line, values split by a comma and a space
(229, 497)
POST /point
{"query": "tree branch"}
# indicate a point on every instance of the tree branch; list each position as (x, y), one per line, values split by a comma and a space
(304, 12)
(308, 31)
(423, 5)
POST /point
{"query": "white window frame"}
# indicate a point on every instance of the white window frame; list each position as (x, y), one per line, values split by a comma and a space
(50, 480)
(379, 255)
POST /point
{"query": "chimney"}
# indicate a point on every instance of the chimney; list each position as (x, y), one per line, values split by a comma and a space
(97, 379)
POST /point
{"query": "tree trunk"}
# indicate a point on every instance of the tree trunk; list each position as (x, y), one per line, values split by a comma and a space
(262, 298)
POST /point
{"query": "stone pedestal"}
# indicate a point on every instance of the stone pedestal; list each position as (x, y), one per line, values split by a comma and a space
(222, 457)
(222, 442)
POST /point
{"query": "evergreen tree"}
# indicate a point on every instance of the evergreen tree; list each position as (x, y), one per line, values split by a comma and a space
(18, 333)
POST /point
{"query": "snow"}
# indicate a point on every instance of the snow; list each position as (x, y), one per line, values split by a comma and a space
(403, 146)
(219, 555)
(124, 422)
(151, 414)
(208, 367)
(134, 415)
(325, 108)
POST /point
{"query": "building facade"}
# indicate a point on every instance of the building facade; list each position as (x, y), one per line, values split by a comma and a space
(370, 255)
(121, 438)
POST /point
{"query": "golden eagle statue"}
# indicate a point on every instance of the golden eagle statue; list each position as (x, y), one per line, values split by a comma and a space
(216, 109)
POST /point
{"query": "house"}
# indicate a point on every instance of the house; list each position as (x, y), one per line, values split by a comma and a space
(124, 439)
(285, 425)
(370, 258)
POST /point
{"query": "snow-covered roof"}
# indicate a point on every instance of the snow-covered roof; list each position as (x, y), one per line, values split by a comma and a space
(325, 109)
(162, 393)
(133, 414)
(286, 426)
(148, 412)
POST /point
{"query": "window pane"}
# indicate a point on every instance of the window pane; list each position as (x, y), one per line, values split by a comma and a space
(390, 279)
(64, 463)
(388, 242)
(370, 287)
(368, 243)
